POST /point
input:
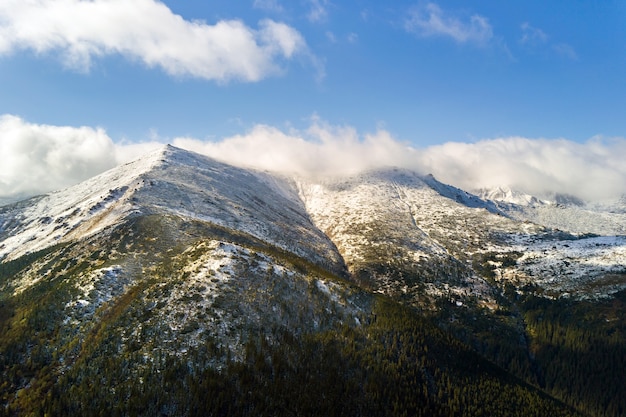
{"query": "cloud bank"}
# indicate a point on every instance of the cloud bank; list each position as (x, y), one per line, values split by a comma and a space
(42, 158)
(593, 170)
(148, 31)
(321, 150)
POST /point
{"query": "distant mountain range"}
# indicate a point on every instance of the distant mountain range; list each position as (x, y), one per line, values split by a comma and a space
(180, 285)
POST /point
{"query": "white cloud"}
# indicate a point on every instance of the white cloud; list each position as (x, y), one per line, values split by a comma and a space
(149, 32)
(41, 158)
(592, 170)
(321, 150)
(535, 38)
(318, 11)
(532, 35)
(430, 20)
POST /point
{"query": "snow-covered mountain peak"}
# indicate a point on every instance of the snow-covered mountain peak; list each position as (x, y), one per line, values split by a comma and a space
(169, 181)
(74, 212)
(560, 211)
(376, 213)
(503, 194)
(80, 210)
(173, 155)
(402, 177)
(384, 215)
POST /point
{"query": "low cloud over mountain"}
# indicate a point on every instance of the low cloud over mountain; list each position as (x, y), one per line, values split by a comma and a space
(41, 158)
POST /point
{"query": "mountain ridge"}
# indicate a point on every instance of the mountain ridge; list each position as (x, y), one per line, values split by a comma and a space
(168, 179)
(179, 270)
(333, 221)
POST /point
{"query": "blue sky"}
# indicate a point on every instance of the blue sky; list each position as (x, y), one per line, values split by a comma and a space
(489, 69)
(424, 73)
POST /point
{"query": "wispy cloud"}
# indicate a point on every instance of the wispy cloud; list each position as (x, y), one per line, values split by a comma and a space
(532, 35)
(565, 50)
(533, 38)
(147, 31)
(350, 38)
(318, 10)
(41, 158)
(431, 20)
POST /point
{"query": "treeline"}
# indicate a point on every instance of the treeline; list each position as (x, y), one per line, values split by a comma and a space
(11, 268)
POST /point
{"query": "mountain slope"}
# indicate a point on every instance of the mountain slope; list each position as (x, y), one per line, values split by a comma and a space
(179, 285)
(168, 181)
(428, 233)
(89, 206)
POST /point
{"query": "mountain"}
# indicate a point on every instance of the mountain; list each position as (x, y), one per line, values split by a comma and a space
(560, 211)
(180, 285)
(174, 182)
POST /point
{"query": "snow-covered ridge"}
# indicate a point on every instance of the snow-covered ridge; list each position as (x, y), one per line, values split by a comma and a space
(559, 211)
(174, 181)
(507, 195)
(461, 196)
(376, 217)
(398, 216)
(74, 212)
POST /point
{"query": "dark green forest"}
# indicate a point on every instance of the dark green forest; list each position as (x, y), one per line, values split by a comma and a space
(398, 364)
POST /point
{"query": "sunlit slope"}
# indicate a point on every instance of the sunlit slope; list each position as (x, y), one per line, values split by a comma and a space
(412, 235)
(170, 181)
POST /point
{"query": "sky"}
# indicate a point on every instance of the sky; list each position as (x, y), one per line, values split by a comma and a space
(527, 94)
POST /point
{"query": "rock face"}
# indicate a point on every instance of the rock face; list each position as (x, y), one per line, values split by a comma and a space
(177, 275)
